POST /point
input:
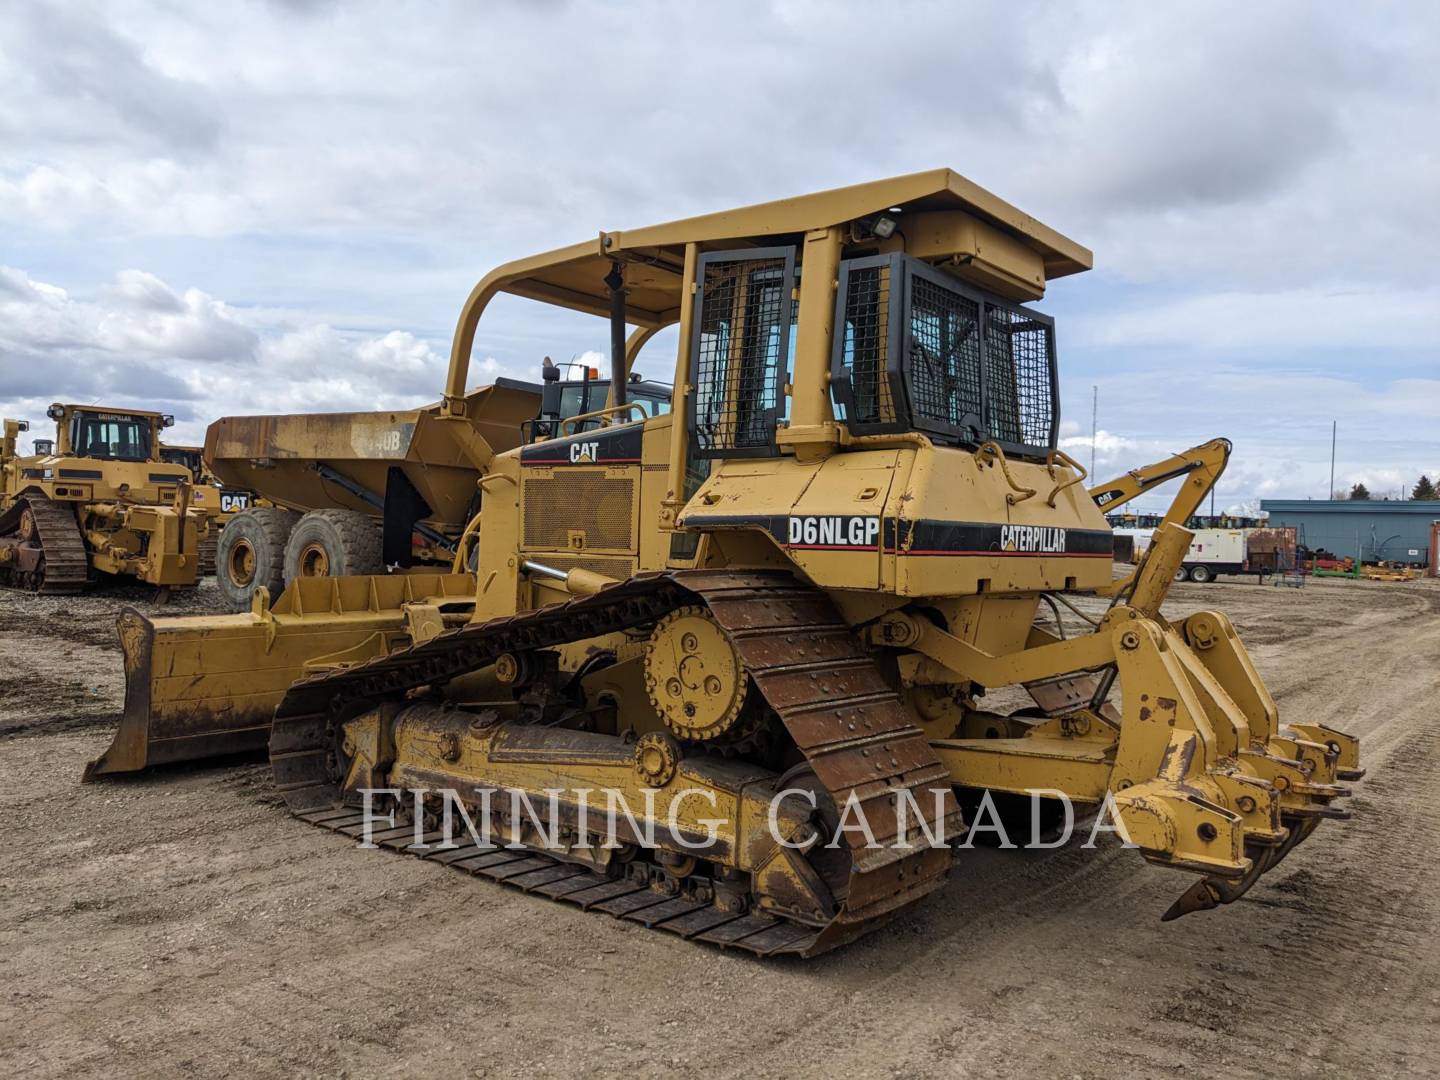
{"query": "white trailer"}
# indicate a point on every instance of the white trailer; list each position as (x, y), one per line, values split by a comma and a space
(1226, 551)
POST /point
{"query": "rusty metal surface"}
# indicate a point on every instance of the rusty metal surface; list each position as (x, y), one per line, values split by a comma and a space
(816, 677)
(1273, 549)
(275, 456)
(65, 565)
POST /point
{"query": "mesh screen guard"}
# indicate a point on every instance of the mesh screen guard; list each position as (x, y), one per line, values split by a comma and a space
(741, 351)
(915, 349)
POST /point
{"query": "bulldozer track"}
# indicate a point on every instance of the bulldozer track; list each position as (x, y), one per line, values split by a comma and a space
(836, 705)
(208, 548)
(66, 565)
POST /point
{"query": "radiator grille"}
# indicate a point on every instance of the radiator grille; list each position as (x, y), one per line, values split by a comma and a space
(580, 499)
(741, 351)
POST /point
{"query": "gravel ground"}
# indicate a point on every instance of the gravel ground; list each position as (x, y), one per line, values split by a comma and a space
(180, 923)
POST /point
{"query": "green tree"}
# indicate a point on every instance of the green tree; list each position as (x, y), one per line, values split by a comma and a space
(1424, 489)
(1360, 493)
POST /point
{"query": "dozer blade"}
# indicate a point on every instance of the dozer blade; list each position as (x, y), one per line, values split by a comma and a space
(201, 686)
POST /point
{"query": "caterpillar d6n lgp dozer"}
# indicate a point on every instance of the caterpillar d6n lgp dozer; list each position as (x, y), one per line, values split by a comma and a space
(772, 614)
(100, 499)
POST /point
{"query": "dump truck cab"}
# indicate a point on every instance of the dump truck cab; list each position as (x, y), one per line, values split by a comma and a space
(192, 457)
(585, 396)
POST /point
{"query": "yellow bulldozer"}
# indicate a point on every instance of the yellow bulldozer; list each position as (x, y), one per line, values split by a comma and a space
(766, 622)
(97, 499)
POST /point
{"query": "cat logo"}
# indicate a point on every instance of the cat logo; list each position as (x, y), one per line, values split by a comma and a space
(584, 451)
(1032, 538)
(233, 501)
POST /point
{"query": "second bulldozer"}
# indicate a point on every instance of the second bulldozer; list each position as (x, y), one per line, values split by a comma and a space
(768, 621)
(100, 499)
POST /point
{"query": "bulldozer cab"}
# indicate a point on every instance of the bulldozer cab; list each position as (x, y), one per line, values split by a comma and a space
(899, 305)
(849, 365)
(108, 434)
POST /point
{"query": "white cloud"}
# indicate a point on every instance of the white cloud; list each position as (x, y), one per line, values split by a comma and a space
(1107, 445)
(1311, 318)
(144, 344)
(325, 182)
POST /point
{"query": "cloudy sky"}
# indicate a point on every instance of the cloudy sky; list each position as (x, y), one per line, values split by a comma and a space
(266, 207)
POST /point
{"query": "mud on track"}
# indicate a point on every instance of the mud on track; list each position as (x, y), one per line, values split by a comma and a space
(180, 923)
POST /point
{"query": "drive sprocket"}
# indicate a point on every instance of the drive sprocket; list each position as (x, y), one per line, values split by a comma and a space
(694, 677)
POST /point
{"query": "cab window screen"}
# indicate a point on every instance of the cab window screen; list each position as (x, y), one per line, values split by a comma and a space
(918, 349)
(1019, 361)
(944, 351)
(864, 342)
(741, 351)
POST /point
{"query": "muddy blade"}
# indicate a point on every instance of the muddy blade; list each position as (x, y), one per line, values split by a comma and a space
(159, 726)
(204, 686)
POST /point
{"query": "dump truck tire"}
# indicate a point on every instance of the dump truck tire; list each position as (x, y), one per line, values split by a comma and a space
(251, 553)
(333, 543)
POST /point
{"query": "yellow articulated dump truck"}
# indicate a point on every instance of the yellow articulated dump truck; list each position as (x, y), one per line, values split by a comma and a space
(348, 494)
(774, 612)
(98, 499)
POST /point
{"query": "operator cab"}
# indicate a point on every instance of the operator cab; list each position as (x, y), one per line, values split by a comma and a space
(188, 456)
(563, 398)
(106, 434)
(917, 347)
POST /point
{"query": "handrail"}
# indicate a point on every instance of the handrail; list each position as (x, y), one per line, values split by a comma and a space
(1064, 459)
(992, 449)
(607, 411)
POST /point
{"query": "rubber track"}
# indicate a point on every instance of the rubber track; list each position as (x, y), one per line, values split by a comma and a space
(836, 705)
(67, 563)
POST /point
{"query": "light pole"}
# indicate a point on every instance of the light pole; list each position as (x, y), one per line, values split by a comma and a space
(1331, 493)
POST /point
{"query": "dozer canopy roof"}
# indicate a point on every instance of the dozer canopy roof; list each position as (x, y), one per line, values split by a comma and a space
(980, 226)
(107, 410)
(574, 276)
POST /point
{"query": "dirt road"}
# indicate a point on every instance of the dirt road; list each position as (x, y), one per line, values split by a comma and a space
(181, 923)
